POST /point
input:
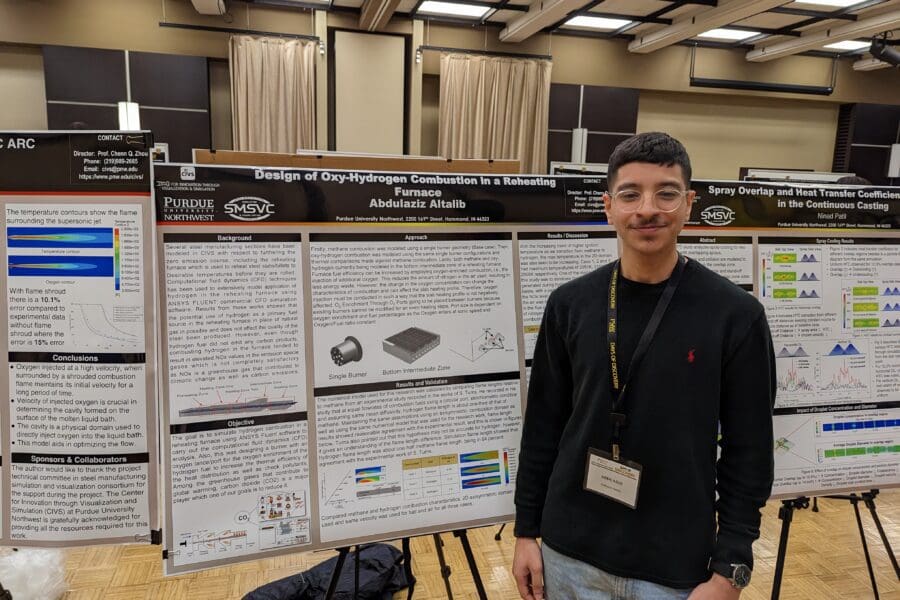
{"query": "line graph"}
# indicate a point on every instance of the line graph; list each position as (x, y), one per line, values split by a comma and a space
(100, 327)
(842, 378)
(793, 381)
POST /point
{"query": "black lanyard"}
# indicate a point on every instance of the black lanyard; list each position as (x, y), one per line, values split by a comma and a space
(616, 415)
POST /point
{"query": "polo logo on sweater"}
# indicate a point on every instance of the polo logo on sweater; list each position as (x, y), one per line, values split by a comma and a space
(691, 355)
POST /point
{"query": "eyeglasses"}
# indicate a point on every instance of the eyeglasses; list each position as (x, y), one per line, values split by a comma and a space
(664, 199)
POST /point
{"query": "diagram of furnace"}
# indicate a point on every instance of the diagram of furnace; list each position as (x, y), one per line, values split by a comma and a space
(411, 344)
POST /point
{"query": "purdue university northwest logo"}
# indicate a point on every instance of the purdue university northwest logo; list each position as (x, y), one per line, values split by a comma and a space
(249, 208)
(717, 215)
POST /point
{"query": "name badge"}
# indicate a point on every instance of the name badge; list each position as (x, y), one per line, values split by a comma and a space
(618, 480)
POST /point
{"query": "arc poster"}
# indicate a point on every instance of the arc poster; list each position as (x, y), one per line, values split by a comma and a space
(78, 372)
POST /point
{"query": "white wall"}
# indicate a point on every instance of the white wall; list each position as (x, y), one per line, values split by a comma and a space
(23, 101)
(724, 133)
(369, 92)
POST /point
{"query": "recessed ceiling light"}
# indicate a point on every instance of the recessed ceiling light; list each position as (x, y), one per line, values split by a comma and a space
(849, 45)
(596, 22)
(728, 34)
(838, 3)
(453, 9)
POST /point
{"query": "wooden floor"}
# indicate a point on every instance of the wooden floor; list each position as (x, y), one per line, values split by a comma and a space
(825, 560)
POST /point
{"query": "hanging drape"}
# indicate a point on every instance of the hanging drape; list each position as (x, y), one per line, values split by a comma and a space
(273, 95)
(495, 107)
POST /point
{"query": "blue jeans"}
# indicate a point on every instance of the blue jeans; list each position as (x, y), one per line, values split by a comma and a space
(567, 578)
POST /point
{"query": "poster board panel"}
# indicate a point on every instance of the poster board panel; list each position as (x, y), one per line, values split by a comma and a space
(78, 421)
(361, 298)
(410, 286)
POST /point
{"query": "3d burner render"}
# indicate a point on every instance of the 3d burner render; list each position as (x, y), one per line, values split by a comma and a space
(350, 350)
(411, 344)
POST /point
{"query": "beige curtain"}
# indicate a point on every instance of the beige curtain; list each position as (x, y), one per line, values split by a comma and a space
(273, 94)
(495, 107)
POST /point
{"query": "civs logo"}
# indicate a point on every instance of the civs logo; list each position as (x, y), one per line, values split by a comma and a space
(249, 208)
(717, 215)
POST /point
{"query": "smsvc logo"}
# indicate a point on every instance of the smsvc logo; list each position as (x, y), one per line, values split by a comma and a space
(249, 208)
(717, 215)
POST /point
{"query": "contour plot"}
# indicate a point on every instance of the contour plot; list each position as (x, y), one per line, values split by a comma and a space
(480, 469)
(835, 426)
(791, 274)
(60, 267)
(375, 480)
(858, 439)
(871, 306)
(88, 280)
(59, 237)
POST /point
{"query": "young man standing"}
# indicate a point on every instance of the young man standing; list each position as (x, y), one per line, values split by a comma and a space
(636, 365)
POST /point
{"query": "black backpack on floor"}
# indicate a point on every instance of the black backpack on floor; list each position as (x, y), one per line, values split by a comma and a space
(382, 572)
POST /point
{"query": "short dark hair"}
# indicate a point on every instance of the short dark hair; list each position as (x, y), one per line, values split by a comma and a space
(652, 147)
(853, 180)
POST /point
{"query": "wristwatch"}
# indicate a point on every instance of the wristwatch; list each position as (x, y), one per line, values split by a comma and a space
(738, 574)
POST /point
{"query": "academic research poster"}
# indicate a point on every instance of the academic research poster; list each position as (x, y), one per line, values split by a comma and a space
(345, 353)
(79, 435)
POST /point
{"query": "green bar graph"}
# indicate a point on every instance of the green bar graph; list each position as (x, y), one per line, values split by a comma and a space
(866, 323)
(860, 451)
(784, 276)
(784, 257)
(862, 290)
(865, 307)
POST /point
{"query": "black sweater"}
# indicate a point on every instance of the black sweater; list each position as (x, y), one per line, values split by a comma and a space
(711, 361)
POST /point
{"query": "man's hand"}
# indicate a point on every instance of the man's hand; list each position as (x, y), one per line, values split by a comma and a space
(528, 569)
(717, 588)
